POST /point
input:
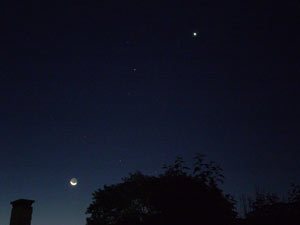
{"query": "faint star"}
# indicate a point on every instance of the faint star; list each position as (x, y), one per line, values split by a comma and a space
(134, 69)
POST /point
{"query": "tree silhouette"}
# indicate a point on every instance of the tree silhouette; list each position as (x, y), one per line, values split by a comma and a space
(269, 209)
(180, 195)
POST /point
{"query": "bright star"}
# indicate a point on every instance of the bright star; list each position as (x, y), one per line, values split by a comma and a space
(195, 34)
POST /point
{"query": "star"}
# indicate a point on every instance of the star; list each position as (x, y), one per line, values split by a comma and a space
(195, 34)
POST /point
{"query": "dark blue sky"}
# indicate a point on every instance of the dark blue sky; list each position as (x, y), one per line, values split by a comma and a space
(98, 90)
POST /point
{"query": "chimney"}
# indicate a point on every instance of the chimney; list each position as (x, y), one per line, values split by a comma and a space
(21, 212)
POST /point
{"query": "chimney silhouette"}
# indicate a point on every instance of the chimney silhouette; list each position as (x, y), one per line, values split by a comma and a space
(21, 212)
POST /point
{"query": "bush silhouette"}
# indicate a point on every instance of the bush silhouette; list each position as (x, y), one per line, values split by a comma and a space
(178, 196)
(269, 209)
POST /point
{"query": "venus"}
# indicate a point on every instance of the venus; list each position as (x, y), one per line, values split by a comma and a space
(73, 181)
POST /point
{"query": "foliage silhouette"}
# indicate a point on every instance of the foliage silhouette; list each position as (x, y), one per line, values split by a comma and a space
(180, 195)
(269, 209)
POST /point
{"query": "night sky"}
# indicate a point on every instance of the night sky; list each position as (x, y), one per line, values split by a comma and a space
(98, 90)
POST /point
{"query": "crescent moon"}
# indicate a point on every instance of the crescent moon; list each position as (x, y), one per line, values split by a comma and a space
(73, 182)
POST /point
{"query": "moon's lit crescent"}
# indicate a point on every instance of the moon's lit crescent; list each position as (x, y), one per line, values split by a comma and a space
(73, 182)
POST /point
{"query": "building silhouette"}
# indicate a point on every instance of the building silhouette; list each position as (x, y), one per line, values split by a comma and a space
(21, 212)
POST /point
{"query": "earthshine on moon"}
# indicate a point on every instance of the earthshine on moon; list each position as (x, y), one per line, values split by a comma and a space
(73, 181)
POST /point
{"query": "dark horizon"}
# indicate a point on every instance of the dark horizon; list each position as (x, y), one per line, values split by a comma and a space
(98, 90)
